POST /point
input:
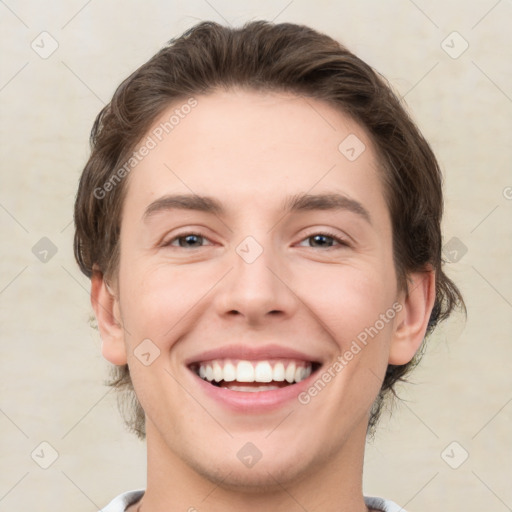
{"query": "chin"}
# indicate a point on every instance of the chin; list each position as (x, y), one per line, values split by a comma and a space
(272, 471)
(268, 478)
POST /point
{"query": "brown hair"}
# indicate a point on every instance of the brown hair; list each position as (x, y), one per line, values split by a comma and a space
(266, 57)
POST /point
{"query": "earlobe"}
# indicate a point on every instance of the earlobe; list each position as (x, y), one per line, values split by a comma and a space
(413, 319)
(106, 310)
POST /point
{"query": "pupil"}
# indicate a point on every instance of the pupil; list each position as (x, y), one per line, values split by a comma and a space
(317, 238)
(189, 240)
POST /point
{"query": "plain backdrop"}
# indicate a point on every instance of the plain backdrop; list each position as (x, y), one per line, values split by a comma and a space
(447, 445)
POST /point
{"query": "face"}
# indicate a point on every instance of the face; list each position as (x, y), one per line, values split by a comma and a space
(258, 322)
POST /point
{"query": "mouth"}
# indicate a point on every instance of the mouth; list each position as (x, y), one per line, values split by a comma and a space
(251, 376)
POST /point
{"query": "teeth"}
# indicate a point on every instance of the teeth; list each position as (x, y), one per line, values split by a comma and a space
(278, 374)
(244, 372)
(263, 372)
(254, 371)
(218, 374)
(289, 375)
(299, 374)
(229, 372)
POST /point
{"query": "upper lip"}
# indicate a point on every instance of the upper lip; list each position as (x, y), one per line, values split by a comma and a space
(251, 353)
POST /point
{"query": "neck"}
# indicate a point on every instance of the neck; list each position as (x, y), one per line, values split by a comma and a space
(332, 485)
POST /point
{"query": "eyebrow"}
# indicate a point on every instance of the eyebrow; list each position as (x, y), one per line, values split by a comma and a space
(296, 203)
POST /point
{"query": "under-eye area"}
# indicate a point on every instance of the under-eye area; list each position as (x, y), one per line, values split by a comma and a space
(254, 376)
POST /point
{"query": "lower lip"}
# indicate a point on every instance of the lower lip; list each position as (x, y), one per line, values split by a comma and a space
(255, 401)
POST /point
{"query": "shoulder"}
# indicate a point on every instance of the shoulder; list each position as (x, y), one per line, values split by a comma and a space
(122, 501)
(119, 503)
(382, 505)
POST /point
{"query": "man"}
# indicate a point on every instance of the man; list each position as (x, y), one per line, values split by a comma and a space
(260, 220)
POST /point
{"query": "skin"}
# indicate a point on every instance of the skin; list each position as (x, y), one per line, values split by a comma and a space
(251, 150)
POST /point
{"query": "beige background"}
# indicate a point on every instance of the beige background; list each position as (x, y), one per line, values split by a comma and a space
(51, 370)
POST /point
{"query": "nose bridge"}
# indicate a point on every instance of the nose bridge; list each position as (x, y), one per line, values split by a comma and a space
(252, 263)
(254, 287)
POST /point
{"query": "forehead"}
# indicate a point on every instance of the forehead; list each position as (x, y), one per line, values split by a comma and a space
(251, 148)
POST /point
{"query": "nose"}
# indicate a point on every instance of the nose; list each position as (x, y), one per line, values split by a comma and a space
(257, 290)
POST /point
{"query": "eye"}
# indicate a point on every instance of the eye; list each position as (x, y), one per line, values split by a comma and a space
(186, 241)
(325, 240)
(196, 240)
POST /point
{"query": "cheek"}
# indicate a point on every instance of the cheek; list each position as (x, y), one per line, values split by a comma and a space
(156, 299)
(349, 300)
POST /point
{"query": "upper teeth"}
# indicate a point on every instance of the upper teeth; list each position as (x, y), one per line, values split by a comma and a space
(254, 371)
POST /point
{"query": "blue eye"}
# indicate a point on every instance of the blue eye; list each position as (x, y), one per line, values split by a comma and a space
(187, 240)
(195, 241)
(326, 240)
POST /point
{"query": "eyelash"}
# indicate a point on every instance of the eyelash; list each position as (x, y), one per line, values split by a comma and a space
(342, 242)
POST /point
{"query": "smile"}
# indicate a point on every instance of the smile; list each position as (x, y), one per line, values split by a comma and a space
(253, 376)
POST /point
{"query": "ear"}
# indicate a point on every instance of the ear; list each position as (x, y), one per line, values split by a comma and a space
(106, 308)
(413, 318)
